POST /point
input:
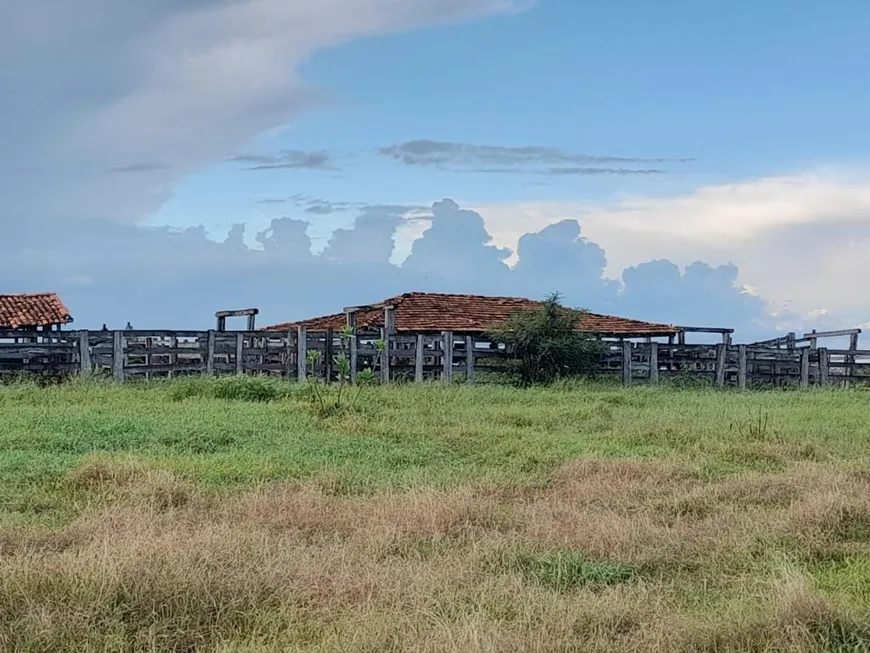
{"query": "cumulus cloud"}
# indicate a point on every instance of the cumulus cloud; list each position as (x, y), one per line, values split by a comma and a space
(504, 160)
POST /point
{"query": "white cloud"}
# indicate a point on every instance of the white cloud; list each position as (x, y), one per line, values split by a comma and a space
(799, 240)
(160, 88)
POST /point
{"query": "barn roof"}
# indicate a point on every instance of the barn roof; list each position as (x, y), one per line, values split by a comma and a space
(432, 312)
(32, 310)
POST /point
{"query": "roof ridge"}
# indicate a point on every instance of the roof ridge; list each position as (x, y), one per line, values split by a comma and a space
(28, 294)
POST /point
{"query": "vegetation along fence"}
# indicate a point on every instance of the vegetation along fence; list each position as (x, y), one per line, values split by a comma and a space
(448, 356)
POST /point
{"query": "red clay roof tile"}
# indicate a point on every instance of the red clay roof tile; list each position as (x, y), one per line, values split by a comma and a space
(30, 310)
(432, 312)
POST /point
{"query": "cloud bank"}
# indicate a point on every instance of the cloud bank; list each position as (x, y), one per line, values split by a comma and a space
(166, 278)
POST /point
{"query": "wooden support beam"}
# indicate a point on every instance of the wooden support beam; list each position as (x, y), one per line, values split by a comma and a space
(832, 334)
(654, 363)
(626, 363)
(805, 368)
(742, 367)
(118, 355)
(85, 364)
(469, 359)
(447, 356)
(419, 354)
(301, 353)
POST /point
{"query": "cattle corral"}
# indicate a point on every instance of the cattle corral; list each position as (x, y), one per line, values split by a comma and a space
(447, 356)
(410, 337)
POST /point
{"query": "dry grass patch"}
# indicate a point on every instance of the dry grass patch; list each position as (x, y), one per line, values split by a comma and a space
(613, 555)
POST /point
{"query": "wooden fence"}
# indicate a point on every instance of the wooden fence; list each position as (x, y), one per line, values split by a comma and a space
(133, 354)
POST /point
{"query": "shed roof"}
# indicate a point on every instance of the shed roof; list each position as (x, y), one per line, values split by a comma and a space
(432, 312)
(32, 310)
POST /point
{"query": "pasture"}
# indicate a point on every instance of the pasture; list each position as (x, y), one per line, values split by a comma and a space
(228, 515)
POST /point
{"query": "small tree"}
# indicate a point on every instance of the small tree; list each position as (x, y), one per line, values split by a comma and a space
(546, 344)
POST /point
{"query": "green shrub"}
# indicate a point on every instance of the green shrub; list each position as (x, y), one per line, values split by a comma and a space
(546, 344)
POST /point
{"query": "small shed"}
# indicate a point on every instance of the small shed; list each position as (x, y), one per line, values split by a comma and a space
(33, 313)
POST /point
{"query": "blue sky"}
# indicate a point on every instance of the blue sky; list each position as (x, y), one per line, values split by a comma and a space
(723, 132)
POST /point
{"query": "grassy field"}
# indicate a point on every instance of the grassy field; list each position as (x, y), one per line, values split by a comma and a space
(228, 516)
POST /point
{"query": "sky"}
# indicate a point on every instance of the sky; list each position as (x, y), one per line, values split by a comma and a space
(695, 163)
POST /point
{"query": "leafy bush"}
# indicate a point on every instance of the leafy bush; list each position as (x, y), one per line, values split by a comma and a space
(546, 344)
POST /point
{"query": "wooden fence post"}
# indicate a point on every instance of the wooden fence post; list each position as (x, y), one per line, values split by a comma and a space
(301, 353)
(85, 363)
(626, 363)
(385, 358)
(850, 359)
(354, 357)
(328, 353)
(240, 356)
(388, 330)
(419, 354)
(447, 356)
(721, 359)
(823, 366)
(209, 353)
(741, 367)
(288, 353)
(469, 359)
(118, 355)
(805, 368)
(654, 363)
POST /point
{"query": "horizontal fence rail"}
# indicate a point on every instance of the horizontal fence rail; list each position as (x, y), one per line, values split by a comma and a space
(447, 356)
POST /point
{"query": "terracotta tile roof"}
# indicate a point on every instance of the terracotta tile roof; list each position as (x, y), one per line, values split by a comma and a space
(431, 312)
(37, 309)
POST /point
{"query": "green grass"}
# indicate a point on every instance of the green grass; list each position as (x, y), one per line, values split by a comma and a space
(224, 433)
(623, 519)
